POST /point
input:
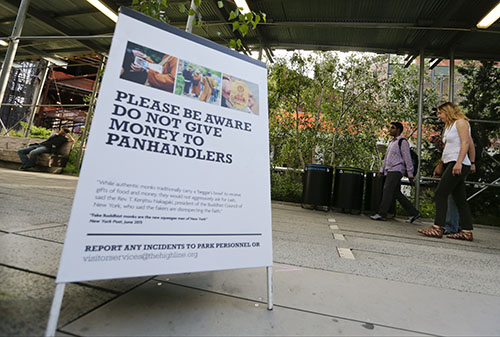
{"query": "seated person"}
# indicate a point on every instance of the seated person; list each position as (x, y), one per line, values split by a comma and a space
(49, 146)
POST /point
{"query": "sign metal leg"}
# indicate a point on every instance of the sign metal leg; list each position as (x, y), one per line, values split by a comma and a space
(269, 288)
(55, 310)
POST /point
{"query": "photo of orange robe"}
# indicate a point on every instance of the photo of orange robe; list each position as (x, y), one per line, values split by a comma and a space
(196, 88)
(207, 91)
(166, 79)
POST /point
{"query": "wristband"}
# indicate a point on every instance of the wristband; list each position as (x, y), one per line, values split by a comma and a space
(472, 163)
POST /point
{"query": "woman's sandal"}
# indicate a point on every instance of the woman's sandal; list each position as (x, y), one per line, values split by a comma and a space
(433, 231)
(462, 235)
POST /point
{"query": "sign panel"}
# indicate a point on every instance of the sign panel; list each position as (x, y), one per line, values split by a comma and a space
(176, 172)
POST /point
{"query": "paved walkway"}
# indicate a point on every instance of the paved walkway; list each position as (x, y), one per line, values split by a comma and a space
(334, 274)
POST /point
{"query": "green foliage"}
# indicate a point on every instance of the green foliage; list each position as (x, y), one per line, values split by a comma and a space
(286, 186)
(154, 8)
(288, 90)
(427, 206)
(481, 97)
(326, 111)
(35, 131)
(403, 97)
(87, 98)
(481, 100)
(243, 23)
(236, 44)
(403, 93)
(71, 166)
(240, 22)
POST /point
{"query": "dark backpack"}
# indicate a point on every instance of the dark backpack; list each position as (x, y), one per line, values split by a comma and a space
(414, 157)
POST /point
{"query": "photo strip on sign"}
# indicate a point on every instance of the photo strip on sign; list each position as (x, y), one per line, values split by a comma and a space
(175, 177)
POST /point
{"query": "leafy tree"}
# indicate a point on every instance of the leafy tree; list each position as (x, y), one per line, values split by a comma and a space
(323, 109)
(403, 93)
(480, 96)
(402, 105)
(289, 92)
(35, 131)
(355, 112)
(328, 111)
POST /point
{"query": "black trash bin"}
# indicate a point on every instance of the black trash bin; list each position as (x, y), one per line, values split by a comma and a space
(348, 189)
(317, 185)
(373, 193)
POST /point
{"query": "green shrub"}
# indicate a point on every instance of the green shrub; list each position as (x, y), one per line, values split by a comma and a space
(286, 186)
(13, 133)
(427, 206)
(71, 167)
(35, 131)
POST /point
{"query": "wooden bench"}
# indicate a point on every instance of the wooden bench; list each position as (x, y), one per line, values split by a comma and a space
(46, 162)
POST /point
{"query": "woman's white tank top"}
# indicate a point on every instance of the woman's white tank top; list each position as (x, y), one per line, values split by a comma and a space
(452, 145)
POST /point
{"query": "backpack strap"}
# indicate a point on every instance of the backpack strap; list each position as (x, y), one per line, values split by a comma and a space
(411, 158)
(209, 82)
(401, 152)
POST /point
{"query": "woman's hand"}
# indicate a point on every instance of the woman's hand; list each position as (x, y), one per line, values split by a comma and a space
(457, 169)
(135, 68)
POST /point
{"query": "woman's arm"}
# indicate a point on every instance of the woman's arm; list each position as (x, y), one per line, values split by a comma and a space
(463, 134)
(166, 79)
(472, 155)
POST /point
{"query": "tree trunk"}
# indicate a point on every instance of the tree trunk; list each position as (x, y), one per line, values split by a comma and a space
(334, 139)
(317, 126)
(297, 142)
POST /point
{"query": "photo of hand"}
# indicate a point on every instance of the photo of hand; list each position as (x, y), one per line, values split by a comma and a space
(149, 67)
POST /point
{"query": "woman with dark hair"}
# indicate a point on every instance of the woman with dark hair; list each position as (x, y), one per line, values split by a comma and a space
(457, 142)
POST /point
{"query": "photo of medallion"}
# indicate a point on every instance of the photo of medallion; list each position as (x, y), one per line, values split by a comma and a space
(239, 94)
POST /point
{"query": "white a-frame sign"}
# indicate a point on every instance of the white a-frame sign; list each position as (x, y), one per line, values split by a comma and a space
(176, 172)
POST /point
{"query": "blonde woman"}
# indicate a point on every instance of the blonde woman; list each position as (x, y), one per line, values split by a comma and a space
(457, 143)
